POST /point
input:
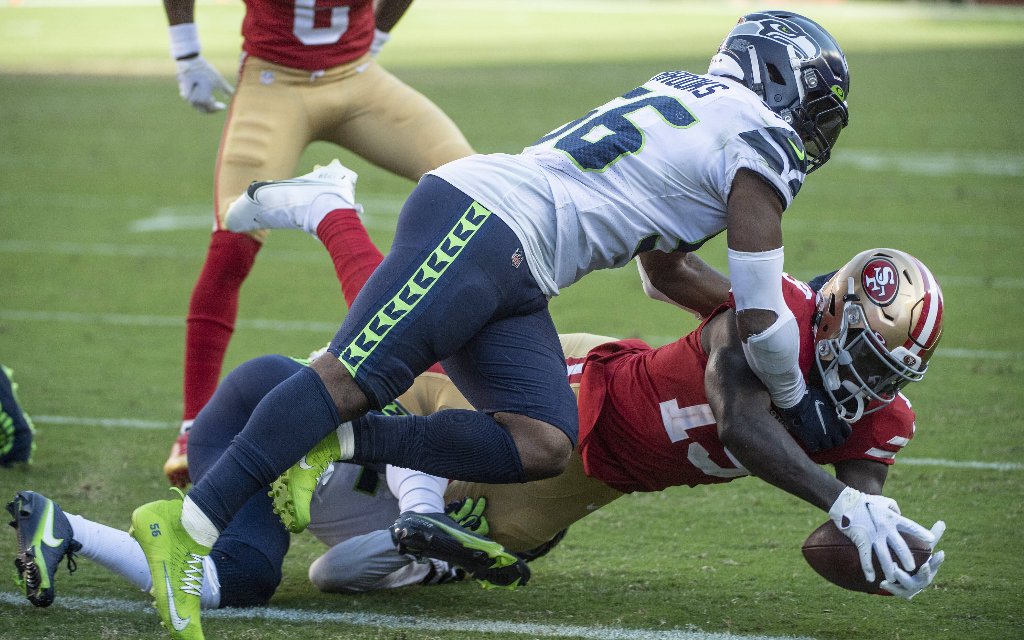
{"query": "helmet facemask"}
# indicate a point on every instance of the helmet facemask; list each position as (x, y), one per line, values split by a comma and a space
(819, 118)
(859, 374)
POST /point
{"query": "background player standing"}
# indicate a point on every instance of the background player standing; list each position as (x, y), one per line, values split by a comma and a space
(307, 73)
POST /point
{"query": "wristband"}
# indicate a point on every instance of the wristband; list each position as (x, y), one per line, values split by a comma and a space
(379, 39)
(184, 40)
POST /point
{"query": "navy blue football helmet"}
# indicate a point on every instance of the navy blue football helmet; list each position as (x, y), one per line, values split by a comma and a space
(799, 71)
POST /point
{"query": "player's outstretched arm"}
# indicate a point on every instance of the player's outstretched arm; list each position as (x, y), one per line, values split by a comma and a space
(742, 408)
(197, 79)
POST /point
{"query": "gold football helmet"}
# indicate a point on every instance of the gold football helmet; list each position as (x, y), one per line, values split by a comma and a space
(879, 319)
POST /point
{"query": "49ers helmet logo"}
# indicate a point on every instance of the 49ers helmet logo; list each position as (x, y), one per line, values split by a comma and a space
(881, 280)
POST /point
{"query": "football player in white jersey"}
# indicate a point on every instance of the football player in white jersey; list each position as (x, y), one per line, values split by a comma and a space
(483, 242)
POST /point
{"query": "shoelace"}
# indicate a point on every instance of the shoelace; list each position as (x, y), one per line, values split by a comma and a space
(72, 563)
(192, 583)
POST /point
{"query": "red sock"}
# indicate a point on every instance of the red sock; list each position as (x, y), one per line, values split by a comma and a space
(353, 253)
(211, 314)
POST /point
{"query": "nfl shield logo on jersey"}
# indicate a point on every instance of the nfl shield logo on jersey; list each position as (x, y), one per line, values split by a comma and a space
(517, 258)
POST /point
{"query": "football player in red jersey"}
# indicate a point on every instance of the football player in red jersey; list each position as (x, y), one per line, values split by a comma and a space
(692, 413)
(307, 73)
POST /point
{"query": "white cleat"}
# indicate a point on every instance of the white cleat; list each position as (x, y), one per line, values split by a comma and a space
(295, 203)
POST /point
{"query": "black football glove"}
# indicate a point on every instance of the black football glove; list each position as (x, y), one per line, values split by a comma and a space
(814, 421)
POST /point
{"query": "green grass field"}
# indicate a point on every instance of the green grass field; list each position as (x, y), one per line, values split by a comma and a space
(105, 187)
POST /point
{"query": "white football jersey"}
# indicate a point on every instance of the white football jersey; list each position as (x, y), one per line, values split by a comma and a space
(651, 169)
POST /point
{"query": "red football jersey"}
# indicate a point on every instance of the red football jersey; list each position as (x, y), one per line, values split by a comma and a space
(645, 422)
(308, 34)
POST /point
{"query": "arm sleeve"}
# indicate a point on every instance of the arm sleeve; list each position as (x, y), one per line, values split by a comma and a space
(774, 352)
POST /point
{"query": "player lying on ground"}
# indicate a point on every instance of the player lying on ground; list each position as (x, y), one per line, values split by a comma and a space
(481, 245)
(692, 413)
(244, 568)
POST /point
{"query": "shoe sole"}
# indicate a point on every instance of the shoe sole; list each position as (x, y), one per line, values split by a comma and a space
(284, 506)
(483, 559)
(29, 575)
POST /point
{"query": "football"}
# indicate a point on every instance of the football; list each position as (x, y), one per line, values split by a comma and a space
(835, 558)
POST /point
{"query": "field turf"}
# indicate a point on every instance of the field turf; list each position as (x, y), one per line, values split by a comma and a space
(105, 183)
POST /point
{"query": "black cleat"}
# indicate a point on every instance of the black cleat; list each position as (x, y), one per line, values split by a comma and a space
(44, 539)
(435, 535)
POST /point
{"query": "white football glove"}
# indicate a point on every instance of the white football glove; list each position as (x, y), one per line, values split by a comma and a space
(874, 523)
(907, 586)
(197, 80)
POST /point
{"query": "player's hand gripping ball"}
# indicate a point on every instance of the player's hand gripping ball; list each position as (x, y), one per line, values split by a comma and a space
(835, 558)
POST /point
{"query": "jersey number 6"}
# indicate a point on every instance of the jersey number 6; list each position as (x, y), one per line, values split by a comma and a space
(599, 139)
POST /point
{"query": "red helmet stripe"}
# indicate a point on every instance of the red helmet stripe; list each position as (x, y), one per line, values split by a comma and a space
(926, 332)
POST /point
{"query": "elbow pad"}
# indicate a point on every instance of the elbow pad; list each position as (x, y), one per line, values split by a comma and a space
(773, 353)
(773, 356)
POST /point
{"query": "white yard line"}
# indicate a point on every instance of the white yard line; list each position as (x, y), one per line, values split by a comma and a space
(383, 620)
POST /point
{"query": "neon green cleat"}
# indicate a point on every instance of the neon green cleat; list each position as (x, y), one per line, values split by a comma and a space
(176, 563)
(293, 491)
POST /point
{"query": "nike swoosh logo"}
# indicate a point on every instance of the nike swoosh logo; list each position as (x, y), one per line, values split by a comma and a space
(303, 464)
(818, 404)
(797, 150)
(177, 622)
(47, 538)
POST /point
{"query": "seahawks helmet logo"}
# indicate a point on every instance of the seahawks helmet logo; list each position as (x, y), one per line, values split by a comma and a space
(785, 32)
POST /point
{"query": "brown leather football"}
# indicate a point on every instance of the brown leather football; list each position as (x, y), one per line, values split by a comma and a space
(835, 558)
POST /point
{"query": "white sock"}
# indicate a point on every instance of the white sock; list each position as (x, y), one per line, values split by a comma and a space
(119, 553)
(209, 597)
(346, 440)
(113, 549)
(200, 527)
(416, 491)
(320, 207)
